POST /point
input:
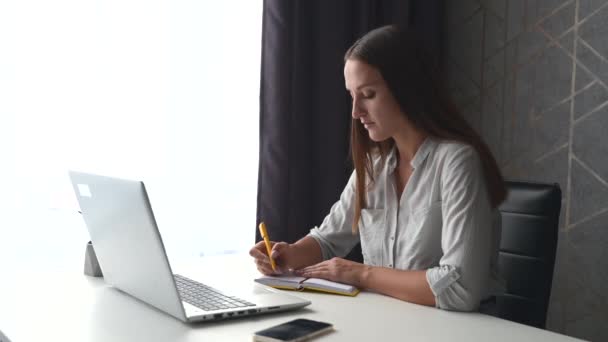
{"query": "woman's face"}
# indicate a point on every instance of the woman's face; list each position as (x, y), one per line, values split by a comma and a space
(373, 103)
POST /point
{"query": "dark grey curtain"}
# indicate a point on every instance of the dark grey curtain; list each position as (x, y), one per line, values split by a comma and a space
(304, 107)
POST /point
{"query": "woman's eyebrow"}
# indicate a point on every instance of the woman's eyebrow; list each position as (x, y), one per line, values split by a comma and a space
(368, 84)
(371, 83)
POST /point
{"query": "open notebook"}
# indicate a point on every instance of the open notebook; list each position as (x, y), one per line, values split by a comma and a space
(301, 283)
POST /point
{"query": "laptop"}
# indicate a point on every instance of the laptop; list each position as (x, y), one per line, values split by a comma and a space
(132, 257)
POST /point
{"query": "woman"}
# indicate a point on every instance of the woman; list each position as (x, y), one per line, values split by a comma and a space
(422, 199)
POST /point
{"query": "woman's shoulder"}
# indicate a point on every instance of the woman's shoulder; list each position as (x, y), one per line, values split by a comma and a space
(450, 153)
(451, 149)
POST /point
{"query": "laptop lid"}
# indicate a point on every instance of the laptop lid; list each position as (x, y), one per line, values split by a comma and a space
(127, 243)
(132, 257)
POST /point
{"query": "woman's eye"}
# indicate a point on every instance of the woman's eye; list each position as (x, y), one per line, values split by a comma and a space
(369, 95)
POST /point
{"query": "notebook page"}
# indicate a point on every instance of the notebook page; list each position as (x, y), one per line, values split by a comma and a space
(332, 285)
(288, 281)
(291, 279)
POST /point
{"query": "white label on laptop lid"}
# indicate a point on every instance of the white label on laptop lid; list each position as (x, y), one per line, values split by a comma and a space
(84, 190)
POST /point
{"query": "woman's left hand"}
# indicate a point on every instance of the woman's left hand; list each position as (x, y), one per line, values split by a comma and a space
(336, 269)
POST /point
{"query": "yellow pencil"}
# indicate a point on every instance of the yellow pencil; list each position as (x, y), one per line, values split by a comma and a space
(264, 234)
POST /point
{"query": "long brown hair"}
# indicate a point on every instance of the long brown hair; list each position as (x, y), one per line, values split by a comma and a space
(411, 76)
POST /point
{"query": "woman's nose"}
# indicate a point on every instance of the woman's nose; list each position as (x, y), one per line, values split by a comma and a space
(357, 111)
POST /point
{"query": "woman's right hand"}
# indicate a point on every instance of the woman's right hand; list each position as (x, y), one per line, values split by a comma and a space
(280, 254)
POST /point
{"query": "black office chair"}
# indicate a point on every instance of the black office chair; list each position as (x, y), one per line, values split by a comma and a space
(530, 219)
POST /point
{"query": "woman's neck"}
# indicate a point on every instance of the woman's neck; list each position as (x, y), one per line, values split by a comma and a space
(408, 144)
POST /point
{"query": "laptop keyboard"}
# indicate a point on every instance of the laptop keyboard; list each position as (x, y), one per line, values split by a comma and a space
(206, 297)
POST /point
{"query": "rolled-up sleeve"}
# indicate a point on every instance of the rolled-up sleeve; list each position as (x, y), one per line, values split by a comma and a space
(460, 279)
(335, 234)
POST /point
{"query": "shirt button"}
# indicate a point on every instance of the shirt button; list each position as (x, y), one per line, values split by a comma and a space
(392, 238)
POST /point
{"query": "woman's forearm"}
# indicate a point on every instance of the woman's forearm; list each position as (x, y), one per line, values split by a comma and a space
(307, 252)
(410, 286)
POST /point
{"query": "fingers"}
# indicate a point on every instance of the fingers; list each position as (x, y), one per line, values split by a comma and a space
(278, 249)
(262, 263)
(264, 267)
(257, 254)
(317, 272)
(259, 250)
(313, 270)
(260, 255)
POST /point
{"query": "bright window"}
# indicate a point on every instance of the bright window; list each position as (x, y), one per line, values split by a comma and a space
(163, 91)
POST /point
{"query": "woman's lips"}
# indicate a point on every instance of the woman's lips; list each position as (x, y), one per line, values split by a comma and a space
(367, 124)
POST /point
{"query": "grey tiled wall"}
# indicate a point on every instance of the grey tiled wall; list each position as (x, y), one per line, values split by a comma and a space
(532, 78)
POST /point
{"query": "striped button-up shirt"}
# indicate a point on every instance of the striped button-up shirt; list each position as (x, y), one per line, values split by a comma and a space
(442, 223)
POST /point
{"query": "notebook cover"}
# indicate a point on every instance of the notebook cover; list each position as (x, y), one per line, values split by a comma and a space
(302, 287)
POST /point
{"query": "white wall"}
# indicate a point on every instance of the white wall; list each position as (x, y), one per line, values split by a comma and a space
(164, 91)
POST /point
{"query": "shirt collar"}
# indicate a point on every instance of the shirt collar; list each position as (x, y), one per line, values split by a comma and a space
(423, 151)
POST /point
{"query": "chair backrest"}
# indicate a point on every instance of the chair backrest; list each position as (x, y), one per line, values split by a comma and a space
(530, 220)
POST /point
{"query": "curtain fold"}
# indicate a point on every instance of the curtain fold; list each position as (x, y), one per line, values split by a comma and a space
(304, 107)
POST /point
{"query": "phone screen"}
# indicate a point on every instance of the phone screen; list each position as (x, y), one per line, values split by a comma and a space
(296, 330)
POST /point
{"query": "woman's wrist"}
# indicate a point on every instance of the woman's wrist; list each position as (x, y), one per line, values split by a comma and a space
(305, 252)
(364, 276)
(295, 253)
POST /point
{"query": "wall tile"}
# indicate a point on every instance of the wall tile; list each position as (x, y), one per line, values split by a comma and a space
(567, 42)
(556, 310)
(582, 78)
(568, 277)
(594, 31)
(590, 141)
(592, 62)
(464, 46)
(571, 290)
(494, 34)
(554, 77)
(551, 130)
(511, 57)
(524, 110)
(492, 123)
(587, 196)
(552, 169)
(509, 98)
(569, 287)
(588, 328)
(580, 303)
(546, 7)
(562, 212)
(518, 168)
(589, 99)
(559, 22)
(590, 240)
(530, 44)
(516, 17)
(462, 88)
(521, 140)
(497, 7)
(531, 99)
(531, 15)
(495, 94)
(472, 113)
(458, 11)
(494, 69)
(587, 7)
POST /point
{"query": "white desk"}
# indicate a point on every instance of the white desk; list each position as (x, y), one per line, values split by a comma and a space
(68, 306)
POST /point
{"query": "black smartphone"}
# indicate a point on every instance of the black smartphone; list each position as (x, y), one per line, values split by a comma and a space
(293, 331)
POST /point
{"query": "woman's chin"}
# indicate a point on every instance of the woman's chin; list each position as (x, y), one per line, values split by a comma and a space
(376, 137)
